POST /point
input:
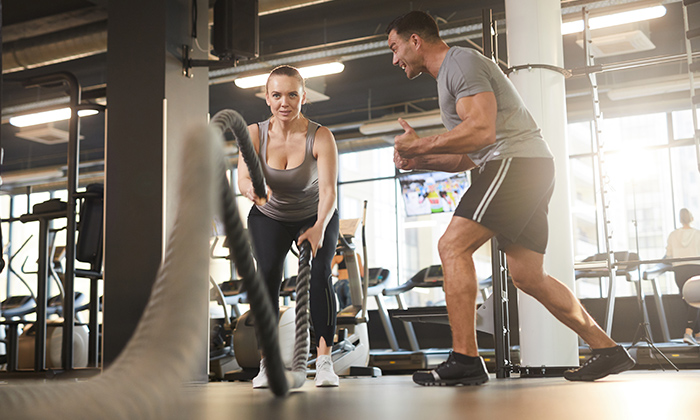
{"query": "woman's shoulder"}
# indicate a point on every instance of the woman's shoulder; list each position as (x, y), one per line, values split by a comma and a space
(324, 136)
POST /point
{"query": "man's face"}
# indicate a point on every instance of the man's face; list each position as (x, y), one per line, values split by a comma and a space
(405, 55)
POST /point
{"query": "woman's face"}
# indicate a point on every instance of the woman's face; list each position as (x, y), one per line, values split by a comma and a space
(285, 95)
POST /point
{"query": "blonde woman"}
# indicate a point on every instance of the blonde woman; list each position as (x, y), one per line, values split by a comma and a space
(299, 159)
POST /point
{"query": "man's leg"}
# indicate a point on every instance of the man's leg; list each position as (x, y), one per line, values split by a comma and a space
(527, 270)
(526, 267)
(463, 366)
(461, 239)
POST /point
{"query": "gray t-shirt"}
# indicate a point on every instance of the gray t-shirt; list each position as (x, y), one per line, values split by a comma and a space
(466, 72)
(295, 190)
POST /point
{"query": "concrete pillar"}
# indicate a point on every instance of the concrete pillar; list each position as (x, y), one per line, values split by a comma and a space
(534, 37)
(150, 106)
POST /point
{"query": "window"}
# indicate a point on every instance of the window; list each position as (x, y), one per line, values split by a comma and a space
(647, 179)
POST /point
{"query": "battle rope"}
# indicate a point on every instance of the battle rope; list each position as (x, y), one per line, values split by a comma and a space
(146, 380)
(241, 254)
(302, 341)
(256, 288)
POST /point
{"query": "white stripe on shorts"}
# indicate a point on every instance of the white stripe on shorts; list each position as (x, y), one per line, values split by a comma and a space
(491, 191)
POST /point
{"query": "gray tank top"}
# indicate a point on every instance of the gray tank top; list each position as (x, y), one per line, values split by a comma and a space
(294, 191)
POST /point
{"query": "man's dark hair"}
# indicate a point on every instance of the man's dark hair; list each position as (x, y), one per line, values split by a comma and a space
(415, 22)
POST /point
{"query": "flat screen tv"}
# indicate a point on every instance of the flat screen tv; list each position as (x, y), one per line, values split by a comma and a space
(432, 192)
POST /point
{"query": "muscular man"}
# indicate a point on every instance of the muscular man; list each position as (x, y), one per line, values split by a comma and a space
(490, 128)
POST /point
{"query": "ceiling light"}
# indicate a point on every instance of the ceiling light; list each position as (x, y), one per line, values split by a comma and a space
(305, 72)
(614, 19)
(425, 119)
(651, 87)
(30, 176)
(48, 116)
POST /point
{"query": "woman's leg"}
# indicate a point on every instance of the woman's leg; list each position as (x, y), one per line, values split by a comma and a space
(271, 243)
(322, 298)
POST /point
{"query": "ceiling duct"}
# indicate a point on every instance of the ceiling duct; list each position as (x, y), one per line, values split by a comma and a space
(71, 38)
(65, 45)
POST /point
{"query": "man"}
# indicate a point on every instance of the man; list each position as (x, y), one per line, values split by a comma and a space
(490, 128)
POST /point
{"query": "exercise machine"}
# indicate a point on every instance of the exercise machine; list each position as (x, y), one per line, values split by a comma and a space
(351, 352)
(414, 358)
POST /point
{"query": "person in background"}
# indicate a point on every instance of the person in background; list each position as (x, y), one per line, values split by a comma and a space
(342, 285)
(684, 243)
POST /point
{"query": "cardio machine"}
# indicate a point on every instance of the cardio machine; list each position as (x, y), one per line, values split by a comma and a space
(351, 353)
(415, 358)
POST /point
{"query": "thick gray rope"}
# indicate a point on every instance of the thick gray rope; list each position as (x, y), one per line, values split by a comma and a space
(146, 380)
(228, 119)
(302, 341)
(265, 321)
(267, 326)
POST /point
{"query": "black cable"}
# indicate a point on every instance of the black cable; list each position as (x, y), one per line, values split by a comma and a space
(2, 253)
(194, 19)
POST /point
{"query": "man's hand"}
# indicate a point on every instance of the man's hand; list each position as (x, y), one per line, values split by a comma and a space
(404, 164)
(407, 143)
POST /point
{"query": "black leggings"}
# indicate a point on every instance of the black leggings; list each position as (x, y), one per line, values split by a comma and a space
(272, 240)
(683, 273)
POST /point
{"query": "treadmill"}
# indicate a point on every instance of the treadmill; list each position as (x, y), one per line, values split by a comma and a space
(415, 358)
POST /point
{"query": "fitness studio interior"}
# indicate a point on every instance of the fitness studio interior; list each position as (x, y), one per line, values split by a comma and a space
(123, 123)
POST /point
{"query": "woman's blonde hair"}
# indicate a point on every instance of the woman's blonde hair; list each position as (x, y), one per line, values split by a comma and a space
(686, 216)
(285, 70)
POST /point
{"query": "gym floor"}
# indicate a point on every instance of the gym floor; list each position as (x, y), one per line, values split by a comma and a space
(639, 395)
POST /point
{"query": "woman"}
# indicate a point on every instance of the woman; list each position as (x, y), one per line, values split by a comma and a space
(300, 162)
(682, 243)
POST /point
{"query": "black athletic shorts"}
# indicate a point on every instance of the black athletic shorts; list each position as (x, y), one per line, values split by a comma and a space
(510, 197)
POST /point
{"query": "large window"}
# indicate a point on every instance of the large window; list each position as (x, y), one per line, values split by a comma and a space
(649, 173)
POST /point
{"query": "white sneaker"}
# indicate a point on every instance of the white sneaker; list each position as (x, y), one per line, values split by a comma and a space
(689, 339)
(260, 381)
(325, 376)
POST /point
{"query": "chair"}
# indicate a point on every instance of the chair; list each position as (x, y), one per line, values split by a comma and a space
(691, 291)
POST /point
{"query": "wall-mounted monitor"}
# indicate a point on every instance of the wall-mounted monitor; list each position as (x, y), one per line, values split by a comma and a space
(432, 192)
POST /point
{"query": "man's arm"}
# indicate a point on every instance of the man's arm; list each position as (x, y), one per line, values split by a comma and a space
(443, 163)
(476, 131)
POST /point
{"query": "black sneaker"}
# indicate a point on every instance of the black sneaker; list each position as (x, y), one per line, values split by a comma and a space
(452, 373)
(604, 362)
